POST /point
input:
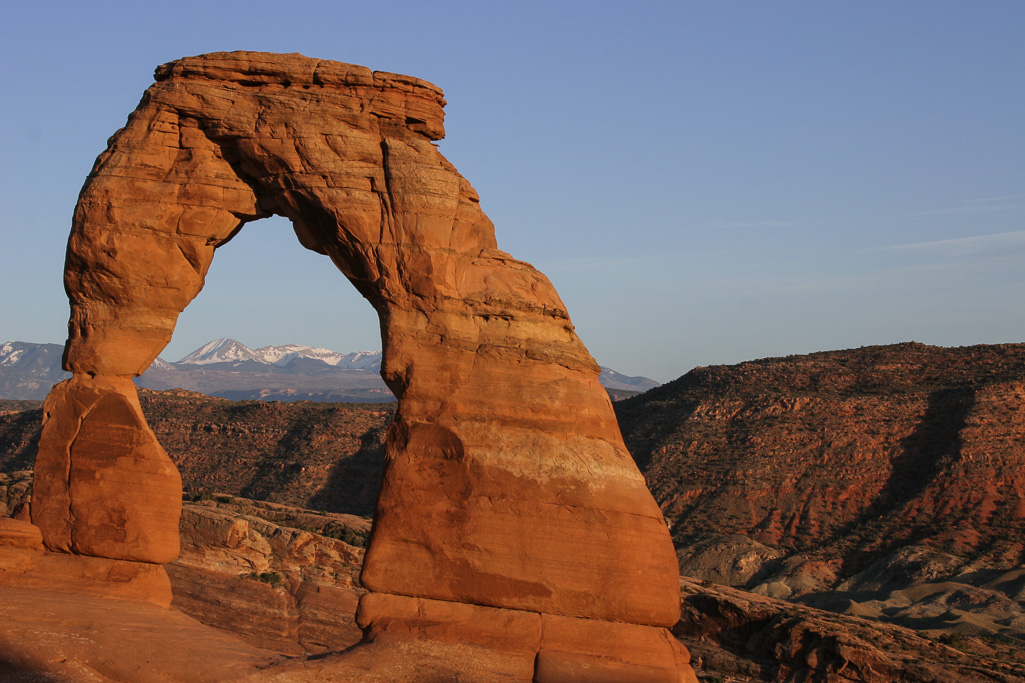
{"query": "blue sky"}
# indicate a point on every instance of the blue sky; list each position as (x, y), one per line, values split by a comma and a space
(703, 182)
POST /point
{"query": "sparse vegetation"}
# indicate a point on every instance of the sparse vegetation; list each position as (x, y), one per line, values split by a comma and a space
(953, 639)
(272, 579)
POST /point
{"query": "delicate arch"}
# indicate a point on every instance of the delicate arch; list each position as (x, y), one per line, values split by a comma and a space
(507, 484)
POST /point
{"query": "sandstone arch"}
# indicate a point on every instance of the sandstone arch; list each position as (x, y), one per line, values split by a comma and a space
(507, 484)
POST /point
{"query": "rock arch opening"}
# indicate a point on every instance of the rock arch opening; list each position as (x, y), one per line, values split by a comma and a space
(264, 288)
(507, 486)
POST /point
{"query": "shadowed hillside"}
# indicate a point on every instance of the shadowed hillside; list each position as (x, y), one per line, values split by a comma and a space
(851, 453)
(324, 456)
(884, 481)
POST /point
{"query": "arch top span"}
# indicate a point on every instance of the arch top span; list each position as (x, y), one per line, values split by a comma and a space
(223, 139)
(507, 484)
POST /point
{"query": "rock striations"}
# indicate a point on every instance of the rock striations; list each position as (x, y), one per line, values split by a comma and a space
(511, 516)
(850, 454)
(884, 482)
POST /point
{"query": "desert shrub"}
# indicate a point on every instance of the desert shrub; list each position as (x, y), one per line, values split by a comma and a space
(347, 535)
(273, 579)
(954, 640)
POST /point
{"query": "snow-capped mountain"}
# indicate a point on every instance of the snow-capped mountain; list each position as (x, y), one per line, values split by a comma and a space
(362, 360)
(230, 369)
(28, 371)
(221, 351)
(610, 379)
(282, 355)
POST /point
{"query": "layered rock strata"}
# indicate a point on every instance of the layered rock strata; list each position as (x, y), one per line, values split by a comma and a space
(507, 485)
(841, 457)
(292, 590)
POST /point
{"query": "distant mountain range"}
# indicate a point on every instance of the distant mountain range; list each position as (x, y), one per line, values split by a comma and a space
(229, 369)
(233, 353)
(27, 371)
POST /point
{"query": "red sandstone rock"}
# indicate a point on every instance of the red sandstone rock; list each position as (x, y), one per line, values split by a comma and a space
(507, 483)
(279, 588)
(103, 485)
(540, 647)
(83, 575)
(16, 533)
(53, 636)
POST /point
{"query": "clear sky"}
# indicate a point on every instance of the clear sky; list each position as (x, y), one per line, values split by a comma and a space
(703, 182)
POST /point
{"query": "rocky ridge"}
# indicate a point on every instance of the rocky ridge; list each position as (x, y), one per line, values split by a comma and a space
(323, 456)
(810, 477)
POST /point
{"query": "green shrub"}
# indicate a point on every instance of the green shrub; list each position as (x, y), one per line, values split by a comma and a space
(954, 640)
(273, 579)
(347, 535)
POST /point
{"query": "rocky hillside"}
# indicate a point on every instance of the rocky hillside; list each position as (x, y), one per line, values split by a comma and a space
(324, 456)
(850, 476)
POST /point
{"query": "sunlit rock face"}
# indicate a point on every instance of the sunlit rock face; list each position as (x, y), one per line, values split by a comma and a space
(507, 484)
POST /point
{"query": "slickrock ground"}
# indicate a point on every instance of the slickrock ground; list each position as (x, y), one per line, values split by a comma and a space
(733, 635)
(56, 637)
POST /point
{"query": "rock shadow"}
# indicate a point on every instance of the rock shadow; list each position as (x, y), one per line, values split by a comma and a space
(354, 483)
(19, 440)
(935, 442)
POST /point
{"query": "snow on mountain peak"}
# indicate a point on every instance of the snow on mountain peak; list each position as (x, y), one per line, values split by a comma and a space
(9, 354)
(221, 350)
(283, 354)
(226, 350)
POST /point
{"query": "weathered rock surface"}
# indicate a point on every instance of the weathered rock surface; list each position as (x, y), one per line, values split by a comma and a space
(844, 454)
(103, 486)
(25, 564)
(734, 635)
(16, 494)
(48, 635)
(287, 587)
(506, 485)
(741, 636)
